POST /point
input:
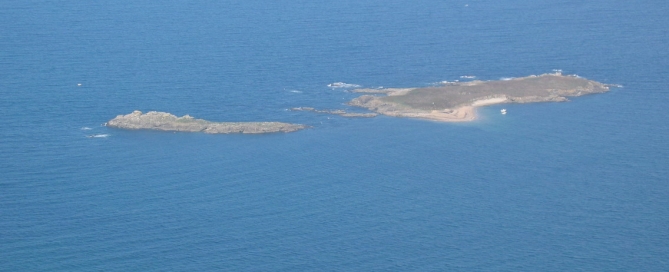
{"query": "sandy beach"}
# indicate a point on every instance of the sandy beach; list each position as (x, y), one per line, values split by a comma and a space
(489, 101)
(463, 114)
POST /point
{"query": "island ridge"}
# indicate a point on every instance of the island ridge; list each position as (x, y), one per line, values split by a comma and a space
(168, 122)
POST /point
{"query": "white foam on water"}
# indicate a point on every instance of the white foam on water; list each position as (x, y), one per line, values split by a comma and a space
(444, 82)
(98, 136)
(86, 128)
(343, 85)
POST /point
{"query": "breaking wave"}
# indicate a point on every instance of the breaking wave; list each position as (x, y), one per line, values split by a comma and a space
(336, 85)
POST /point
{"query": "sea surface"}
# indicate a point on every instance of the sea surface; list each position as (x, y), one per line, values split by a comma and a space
(575, 186)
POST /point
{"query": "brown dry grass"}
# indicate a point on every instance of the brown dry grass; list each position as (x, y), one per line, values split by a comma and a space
(463, 94)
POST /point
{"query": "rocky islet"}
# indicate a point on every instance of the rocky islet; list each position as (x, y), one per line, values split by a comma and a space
(154, 120)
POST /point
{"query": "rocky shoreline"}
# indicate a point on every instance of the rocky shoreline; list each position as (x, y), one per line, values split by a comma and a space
(163, 121)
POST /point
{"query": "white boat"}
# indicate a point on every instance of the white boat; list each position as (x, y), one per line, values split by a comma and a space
(503, 111)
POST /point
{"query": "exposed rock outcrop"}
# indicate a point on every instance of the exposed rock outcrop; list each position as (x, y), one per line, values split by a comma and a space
(154, 120)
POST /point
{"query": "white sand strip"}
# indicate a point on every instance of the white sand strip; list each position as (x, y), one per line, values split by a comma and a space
(489, 101)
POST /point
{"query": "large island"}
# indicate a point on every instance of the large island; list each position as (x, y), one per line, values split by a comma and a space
(168, 122)
(457, 101)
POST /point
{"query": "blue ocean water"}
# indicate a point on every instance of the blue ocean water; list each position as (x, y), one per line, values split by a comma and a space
(576, 186)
